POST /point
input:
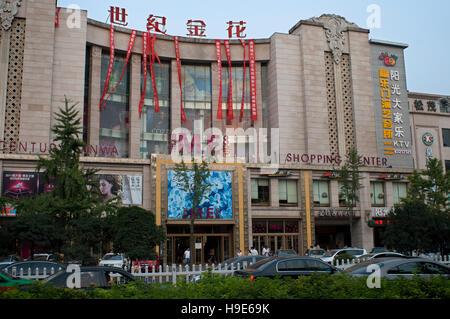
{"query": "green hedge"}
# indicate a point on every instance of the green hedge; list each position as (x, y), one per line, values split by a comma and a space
(220, 287)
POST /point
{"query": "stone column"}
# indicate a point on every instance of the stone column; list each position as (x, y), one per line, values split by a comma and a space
(362, 233)
(4, 61)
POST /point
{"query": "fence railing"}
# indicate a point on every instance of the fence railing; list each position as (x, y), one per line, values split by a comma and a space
(177, 273)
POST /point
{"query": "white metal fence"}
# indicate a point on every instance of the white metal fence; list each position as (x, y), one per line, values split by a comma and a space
(177, 273)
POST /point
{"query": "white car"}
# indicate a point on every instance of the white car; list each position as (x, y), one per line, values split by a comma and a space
(113, 260)
(330, 256)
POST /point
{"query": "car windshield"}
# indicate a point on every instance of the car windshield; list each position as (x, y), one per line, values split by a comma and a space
(316, 252)
(112, 257)
(330, 253)
(41, 257)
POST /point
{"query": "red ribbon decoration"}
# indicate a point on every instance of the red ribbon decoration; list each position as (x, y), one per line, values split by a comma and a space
(57, 16)
(151, 50)
(219, 71)
(230, 82)
(177, 54)
(251, 53)
(243, 84)
(111, 63)
(130, 47)
(144, 62)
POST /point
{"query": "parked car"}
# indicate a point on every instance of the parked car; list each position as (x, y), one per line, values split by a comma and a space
(391, 267)
(316, 252)
(235, 263)
(113, 260)
(380, 255)
(378, 250)
(45, 257)
(25, 269)
(331, 256)
(287, 266)
(92, 277)
(8, 260)
(8, 282)
(143, 264)
(285, 252)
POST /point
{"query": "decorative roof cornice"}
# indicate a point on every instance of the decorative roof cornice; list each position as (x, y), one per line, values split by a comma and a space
(8, 10)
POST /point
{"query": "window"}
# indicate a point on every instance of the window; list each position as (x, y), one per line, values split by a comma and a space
(321, 193)
(405, 269)
(342, 196)
(315, 265)
(260, 191)
(196, 85)
(292, 265)
(447, 166)
(446, 136)
(434, 269)
(237, 76)
(287, 192)
(91, 279)
(114, 119)
(377, 193)
(399, 192)
(155, 127)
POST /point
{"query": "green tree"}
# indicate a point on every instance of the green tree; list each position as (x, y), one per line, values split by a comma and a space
(193, 180)
(422, 221)
(349, 177)
(136, 233)
(74, 205)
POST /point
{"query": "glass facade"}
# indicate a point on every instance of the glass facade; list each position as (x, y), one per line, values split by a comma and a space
(377, 193)
(155, 127)
(398, 191)
(321, 193)
(114, 119)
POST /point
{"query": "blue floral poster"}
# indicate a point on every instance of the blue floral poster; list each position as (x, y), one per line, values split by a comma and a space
(217, 204)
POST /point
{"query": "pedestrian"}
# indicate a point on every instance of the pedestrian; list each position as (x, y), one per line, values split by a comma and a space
(187, 256)
(264, 251)
(239, 253)
(253, 251)
(267, 252)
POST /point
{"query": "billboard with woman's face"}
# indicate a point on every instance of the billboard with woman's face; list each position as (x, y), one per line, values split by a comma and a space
(127, 187)
(217, 203)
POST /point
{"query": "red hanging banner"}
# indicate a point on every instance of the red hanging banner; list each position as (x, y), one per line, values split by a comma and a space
(230, 82)
(243, 84)
(130, 47)
(111, 63)
(144, 65)
(219, 71)
(251, 53)
(151, 50)
(177, 54)
(57, 16)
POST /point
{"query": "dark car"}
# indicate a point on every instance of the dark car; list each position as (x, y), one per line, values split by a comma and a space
(92, 277)
(34, 268)
(287, 266)
(400, 267)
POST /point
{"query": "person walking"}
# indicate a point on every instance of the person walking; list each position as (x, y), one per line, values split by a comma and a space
(187, 256)
(239, 253)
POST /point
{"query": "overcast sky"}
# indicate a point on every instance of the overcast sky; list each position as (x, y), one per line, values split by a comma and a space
(423, 25)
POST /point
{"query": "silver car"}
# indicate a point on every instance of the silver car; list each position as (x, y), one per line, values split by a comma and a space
(330, 256)
(400, 267)
(380, 255)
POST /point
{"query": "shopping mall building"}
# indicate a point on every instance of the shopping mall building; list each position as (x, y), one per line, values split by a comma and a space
(318, 90)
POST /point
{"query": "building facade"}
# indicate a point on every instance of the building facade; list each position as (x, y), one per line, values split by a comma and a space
(294, 104)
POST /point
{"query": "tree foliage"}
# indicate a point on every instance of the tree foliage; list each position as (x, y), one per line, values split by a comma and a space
(422, 221)
(135, 233)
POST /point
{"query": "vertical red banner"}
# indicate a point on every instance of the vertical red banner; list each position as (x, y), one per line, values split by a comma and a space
(111, 64)
(243, 83)
(130, 47)
(251, 53)
(144, 65)
(57, 16)
(219, 71)
(151, 51)
(230, 81)
(177, 54)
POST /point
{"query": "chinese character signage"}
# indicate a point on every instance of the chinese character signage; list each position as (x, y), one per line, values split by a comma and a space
(20, 184)
(394, 140)
(217, 203)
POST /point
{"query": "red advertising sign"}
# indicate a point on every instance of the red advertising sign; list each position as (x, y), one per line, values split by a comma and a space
(243, 84)
(118, 16)
(111, 64)
(144, 63)
(130, 47)
(20, 184)
(219, 71)
(251, 52)
(177, 54)
(230, 77)
(151, 50)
